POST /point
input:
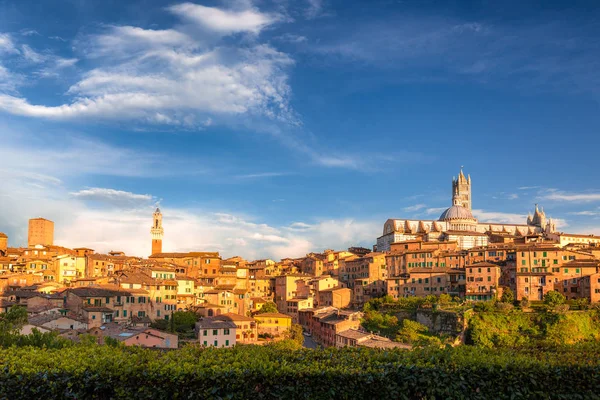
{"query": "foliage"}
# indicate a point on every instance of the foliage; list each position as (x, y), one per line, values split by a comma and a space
(160, 324)
(517, 329)
(484, 306)
(295, 334)
(279, 371)
(13, 320)
(383, 324)
(268, 307)
(504, 307)
(524, 302)
(508, 296)
(417, 334)
(184, 321)
(554, 298)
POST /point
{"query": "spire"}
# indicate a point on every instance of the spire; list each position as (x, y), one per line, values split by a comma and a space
(157, 211)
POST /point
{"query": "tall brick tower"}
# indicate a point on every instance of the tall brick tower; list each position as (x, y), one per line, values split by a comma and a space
(157, 232)
(461, 190)
(41, 231)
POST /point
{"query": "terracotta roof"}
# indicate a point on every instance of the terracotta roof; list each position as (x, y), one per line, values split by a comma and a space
(353, 334)
(234, 317)
(272, 315)
(212, 323)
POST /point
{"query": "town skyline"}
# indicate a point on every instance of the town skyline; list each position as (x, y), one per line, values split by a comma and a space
(430, 214)
(268, 129)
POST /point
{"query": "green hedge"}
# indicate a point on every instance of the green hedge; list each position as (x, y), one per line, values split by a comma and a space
(274, 372)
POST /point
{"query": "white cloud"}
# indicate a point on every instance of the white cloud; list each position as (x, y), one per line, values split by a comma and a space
(112, 196)
(499, 217)
(6, 44)
(225, 21)
(262, 175)
(435, 210)
(414, 208)
(76, 156)
(513, 196)
(160, 77)
(586, 213)
(555, 195)
(314, 9)
(31, 55)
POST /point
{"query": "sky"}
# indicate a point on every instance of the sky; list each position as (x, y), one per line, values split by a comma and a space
(273, 128)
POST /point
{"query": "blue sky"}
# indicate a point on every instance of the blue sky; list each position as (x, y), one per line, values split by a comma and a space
(274, 128)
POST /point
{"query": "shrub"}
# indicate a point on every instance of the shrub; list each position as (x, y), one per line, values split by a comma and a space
(504, 307)
(554, 298)
(279, 371)
(508, 296)
(524, 302)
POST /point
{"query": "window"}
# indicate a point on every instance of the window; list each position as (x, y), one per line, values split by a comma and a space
(576, 270)
(215, 332)
(566, 270)
(124, 313)
(205, 333)
(205, 343)
(216, 343)
(534, 262)
(545, 254)
(141, 313)
(523, 262)
(489, 278)
(227, 343)
(555, 261)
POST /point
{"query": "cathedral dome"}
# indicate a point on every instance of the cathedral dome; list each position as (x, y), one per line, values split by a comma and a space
(456, 212)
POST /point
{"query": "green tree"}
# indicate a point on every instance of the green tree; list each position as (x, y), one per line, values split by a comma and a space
(184, 321)
(295, 334)
(508, 296)
(554, 298)
(13, 320)
(381, 323)
(524, 302)
(268, 307)
(411, 331)
(444, 299)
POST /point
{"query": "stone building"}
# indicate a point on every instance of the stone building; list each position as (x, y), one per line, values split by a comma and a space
(458, 224)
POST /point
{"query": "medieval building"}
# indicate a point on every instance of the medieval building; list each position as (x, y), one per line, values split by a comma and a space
(458, 224)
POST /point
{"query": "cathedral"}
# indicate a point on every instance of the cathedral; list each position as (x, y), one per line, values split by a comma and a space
(457, 224)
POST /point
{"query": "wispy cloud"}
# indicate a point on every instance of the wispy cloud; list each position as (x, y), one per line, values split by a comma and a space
(225, 21)
(112, 196)
(168, 77)
(561, 196)
(416, 207)
(534, 55)
(528, 187)
(262, 175)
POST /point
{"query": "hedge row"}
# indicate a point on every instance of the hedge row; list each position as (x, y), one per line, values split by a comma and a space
(274, 372)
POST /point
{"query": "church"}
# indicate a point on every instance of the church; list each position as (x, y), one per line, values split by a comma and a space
(457, 224)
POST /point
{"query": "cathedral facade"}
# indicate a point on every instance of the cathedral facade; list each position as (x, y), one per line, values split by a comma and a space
(457, 224)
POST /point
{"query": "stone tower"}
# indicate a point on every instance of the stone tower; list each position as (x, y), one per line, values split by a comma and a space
(157, 232)
(41, 231)
(461, 190)
(3, 243)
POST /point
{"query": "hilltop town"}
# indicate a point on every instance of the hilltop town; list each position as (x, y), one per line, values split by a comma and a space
(75, 291)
